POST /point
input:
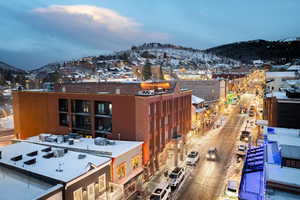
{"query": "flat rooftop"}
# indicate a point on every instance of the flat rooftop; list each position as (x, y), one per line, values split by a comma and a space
(62, 169)
(280, 74)
(87, 144)
(278, 95)
(282, 175)
(283, 136)
(16, 185)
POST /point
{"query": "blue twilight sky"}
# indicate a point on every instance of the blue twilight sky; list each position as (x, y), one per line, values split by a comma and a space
(36, 32)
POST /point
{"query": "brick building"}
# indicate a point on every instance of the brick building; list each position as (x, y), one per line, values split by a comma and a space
(112, 110)
(281, 109)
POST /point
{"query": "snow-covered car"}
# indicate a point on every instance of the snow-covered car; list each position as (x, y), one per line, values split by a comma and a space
(192, 158)
(211, 154)
(232, 188)
(161, 192)
(176, 177)
(242, 148)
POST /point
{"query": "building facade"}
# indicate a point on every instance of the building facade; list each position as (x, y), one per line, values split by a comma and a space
(114, 111)
(280, 109)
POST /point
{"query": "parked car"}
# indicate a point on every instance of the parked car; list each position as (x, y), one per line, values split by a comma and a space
(211, 154)
(176, 177)
(245, 135)
(192, 158)
(242, 148)
(232, 188)
(251, 113)
(162, 192)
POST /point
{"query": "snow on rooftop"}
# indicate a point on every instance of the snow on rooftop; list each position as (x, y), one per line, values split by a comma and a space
(16, 185)
(280, 75)
(197, 100)
(283, 175)
(278, 95)
(113, 150)
(294, 68)
(71, 166)
(283, 136)
(7, 122)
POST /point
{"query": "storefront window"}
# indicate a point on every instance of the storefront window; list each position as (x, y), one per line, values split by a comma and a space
(121, 170)
(135, 162)
(77, 194)
(91, 191)
(102, 183)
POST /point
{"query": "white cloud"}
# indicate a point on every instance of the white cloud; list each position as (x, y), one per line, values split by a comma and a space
(96, 27)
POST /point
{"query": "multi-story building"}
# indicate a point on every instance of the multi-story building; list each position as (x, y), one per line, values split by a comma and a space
(32, 171)
(276, 80)
(272, 171)
(210, 90)
(126, 159)
(152, 112)
(280, 108)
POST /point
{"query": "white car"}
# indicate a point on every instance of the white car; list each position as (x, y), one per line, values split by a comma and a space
(162, 192)
(232, 188)
(176, 177)
(192, 158)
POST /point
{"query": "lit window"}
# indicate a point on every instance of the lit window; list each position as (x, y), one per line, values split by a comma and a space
(121, 170)
(77, 194)
(102, 183)
(135, 162)
(91, 191)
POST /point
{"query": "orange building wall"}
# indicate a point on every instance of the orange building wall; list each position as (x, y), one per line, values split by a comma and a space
(37, 112)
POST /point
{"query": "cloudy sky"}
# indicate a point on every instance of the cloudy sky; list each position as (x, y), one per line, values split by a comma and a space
(36, 32)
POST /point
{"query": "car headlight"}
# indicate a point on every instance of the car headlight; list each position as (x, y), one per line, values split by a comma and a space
(213, 156)
(207, 155)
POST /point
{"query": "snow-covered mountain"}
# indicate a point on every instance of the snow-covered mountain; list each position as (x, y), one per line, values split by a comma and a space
(165, 55)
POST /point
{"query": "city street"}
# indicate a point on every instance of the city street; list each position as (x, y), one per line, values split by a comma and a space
(208, 179)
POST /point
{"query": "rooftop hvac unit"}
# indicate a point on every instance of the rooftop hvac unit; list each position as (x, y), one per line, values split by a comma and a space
(43, 137)
(74, 135)
(48, 149)
(60, 139)
(59, 153)
(110, 142)
(71, 141)
(30, 162)
(17, 158)
(52, 138)
(103, 141)
(146, 92)
(100, 141)
(48, 155)
(31, 154)
(81, 156)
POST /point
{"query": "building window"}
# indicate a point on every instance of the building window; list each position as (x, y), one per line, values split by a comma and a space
(91, 191)
(103, 108)
(121, 170)
(81, 106)
(63, 105)
(81, 122)
(102, 183)
(135, 162)
(63, 119)
(103, 124)
(77, 194)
